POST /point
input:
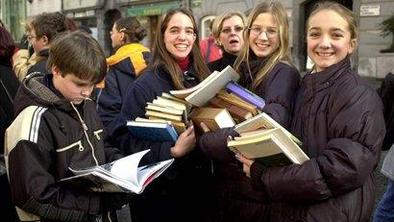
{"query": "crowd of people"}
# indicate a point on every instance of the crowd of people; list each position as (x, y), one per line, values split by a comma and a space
(65, 106)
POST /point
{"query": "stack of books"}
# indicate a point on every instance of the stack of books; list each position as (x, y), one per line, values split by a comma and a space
(166, 118)
(262, 138)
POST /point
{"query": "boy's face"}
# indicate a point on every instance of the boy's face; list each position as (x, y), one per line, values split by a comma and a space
(71, 87)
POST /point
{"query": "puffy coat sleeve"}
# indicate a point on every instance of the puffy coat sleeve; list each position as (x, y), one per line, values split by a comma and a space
(355, 134)
(34, 188)
(134, 106)
(279, 91)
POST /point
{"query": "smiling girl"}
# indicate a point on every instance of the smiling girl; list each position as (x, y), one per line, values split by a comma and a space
(181, 193)
(265, 68)
(340, 121)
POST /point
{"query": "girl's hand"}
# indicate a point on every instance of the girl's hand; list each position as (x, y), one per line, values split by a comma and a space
(246, 163)
(185, 143)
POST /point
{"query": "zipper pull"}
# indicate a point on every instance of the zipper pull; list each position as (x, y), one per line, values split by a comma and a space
(85, 127)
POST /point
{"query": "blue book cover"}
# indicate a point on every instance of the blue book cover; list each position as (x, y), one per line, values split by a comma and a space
(159, 132)
(245, 94)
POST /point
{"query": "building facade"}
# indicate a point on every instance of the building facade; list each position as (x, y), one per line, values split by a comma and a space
(370, 59)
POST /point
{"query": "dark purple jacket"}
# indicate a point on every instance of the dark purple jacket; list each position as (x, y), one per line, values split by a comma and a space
(340, 121)
(237, 201)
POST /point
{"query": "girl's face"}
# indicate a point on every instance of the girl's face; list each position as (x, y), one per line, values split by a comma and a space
(263, 35)
(328, 39)
(231, 34)
(179, 36)
(116, 37)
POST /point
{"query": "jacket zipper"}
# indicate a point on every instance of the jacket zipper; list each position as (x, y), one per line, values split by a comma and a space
(85, 129)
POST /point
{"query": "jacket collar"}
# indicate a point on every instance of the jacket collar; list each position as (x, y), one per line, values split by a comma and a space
(324, 79)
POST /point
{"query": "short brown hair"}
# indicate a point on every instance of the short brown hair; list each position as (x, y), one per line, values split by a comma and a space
(79, 54)
(49, 24)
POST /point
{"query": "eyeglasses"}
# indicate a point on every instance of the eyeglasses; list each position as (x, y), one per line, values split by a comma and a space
(237, 29)
(270, 32)
(30, 37)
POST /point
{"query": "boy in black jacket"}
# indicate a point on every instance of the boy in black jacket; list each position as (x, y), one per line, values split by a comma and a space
(57, 128)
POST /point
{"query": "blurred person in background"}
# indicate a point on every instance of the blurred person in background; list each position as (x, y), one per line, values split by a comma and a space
(8, 87)
(208, 47)
(128, 62)
(228, 30)
(25, 57)
(44, 28)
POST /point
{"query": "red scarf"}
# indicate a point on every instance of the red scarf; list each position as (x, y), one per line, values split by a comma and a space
(184, 64)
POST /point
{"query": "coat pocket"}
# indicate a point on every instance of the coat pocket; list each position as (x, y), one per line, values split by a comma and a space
(98, 134)
(77, 144)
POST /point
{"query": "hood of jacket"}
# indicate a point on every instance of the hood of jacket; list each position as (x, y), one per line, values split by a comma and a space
(34, 91)
(129, 59)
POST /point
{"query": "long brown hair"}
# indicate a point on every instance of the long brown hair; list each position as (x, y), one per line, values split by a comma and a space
(162, 57)
(282, 54)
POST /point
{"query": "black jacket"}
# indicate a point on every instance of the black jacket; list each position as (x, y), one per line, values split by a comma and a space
(8, 86)
(47, 137)
(339, 119)
(41, 65)
(386, 93)
(226, 60)
(182, 192)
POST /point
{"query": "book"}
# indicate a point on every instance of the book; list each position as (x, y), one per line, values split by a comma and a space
(210, 86)
(272, 147)
(180, 127)
(237, 101)
(122, 175)
(245, 94)
(162, 115)
(154, 131)
(163, 109)
(263, 120)
(238, 113)
(214, 118)
(183, 93)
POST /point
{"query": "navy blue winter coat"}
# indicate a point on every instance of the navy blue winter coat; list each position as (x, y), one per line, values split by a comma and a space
(182, 193)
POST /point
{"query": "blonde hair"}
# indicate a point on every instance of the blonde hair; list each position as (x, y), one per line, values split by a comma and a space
(281, 54)
(344, 12)
(218, 22)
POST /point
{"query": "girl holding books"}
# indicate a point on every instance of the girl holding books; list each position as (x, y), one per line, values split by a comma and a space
(180, 194)
(340, 121)
(265, 69)
(227, 30)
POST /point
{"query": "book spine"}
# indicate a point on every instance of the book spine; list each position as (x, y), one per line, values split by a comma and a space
(246, 95)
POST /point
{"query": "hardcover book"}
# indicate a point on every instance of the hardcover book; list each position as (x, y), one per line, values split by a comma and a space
(122, 175)
(154, 131)
(214, 118)
(272, 147)
(208, 88)
(245, 94)
(263, 120)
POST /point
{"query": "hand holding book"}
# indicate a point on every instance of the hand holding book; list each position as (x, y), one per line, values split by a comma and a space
(184, 144)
